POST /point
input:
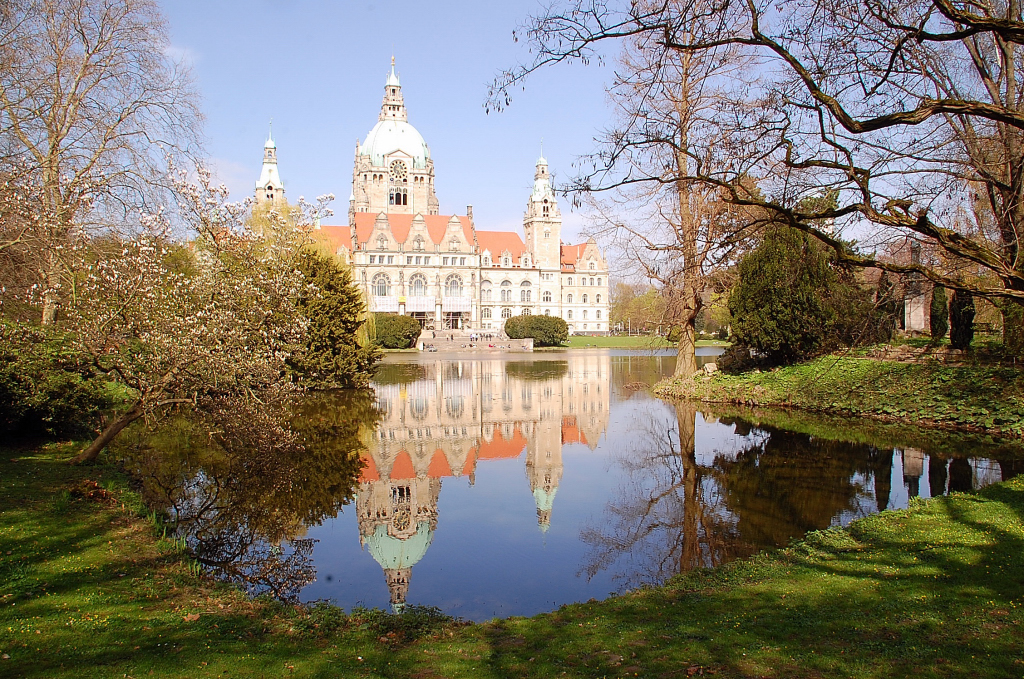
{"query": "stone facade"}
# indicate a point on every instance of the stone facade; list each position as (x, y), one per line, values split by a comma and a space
(411, 260)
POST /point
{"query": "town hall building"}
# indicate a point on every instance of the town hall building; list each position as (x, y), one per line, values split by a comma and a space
(410, 259)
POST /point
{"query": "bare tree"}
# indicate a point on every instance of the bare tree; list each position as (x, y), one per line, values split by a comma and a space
(90, 103)
(909, 111)
(673, 230)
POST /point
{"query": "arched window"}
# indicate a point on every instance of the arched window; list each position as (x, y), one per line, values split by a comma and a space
(506, 312)
(453, 245)
(585, 299)
(418, 285)
(525, 292)
(485, 312)
(591, 281)
(485, 291)
(526, 262)
(591, 268)
(584, 314)
(547, 312)
(568, 281)
(487, 260)
(382, 242)
(598, 314)
(506, 291)
(599, 281)
(569, 314)
(453, 286)
(597, 299)
(526, 311)
(547, 296)
(506, 262)
(568, 298)
(417, 244)
(381, 285)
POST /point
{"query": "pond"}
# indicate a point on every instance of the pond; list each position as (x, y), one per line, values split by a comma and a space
(496, 485)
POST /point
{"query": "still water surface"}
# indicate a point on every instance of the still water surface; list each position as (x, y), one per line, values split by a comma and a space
(498, 486)
(495, 485)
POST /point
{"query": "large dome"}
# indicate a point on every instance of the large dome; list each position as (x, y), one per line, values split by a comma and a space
(388, 136)
(390, 552)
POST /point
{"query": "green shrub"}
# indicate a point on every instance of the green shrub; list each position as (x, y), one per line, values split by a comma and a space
(546, 331)
(332, 356)
(961, 319)
(45, 386)
(939, 313)
(396, 332)
(793, 302)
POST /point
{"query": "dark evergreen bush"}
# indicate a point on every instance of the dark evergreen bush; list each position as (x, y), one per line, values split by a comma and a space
(546, 331)
(396, 332)
(938, 314)
(792, 302)
(332, 357)
(961, 319)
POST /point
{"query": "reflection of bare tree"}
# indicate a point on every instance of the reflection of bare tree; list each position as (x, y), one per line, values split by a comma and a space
(669, 517)
(674, 515)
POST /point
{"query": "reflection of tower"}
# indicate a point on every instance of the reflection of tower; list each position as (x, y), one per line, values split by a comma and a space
(913, 469)
(397, 518)
(544, 470)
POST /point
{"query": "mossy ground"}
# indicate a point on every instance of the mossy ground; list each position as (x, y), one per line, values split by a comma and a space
(89, 589)
(970, 397)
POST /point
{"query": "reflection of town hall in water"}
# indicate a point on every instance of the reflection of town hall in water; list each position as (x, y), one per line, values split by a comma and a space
(440, 269)
(456, 416)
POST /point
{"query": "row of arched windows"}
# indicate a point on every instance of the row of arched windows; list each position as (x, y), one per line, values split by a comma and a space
(585, 299)
(381, 286)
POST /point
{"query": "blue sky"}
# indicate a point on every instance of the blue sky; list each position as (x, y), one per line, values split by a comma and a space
(318, 69)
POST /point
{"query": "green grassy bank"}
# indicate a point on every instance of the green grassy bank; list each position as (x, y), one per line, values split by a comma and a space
(88, 589)
(929, 393)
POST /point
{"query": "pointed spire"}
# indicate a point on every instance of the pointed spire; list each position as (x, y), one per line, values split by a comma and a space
(270, 137)
(393, 107)
(542, 160)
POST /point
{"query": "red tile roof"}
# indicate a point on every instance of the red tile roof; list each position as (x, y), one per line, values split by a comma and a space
(439, 465)
(571, 432)
(500, 241)
(402, 468)
(437, 226)
(334, 237)
(499, 447)
(571, 253)
(369, 471)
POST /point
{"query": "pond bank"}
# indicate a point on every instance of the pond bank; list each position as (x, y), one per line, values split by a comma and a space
(90, 590)
(931, 394)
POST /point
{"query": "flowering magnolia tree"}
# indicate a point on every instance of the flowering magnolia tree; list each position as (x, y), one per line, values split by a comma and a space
(210, 324)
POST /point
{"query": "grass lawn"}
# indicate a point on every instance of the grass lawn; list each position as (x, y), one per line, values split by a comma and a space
(88, 589)
(971, 397)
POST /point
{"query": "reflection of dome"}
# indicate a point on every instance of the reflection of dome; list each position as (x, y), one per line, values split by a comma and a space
(545, 500)
(392, 553)
(388, 136)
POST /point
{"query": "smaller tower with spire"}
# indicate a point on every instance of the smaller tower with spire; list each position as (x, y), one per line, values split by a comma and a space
(269, 187)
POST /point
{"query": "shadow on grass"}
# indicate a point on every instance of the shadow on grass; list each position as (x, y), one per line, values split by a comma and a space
(930, 591)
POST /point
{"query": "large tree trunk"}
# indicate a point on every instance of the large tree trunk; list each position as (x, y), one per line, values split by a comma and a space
(93, 450)
(691, 555)
(686, 350)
